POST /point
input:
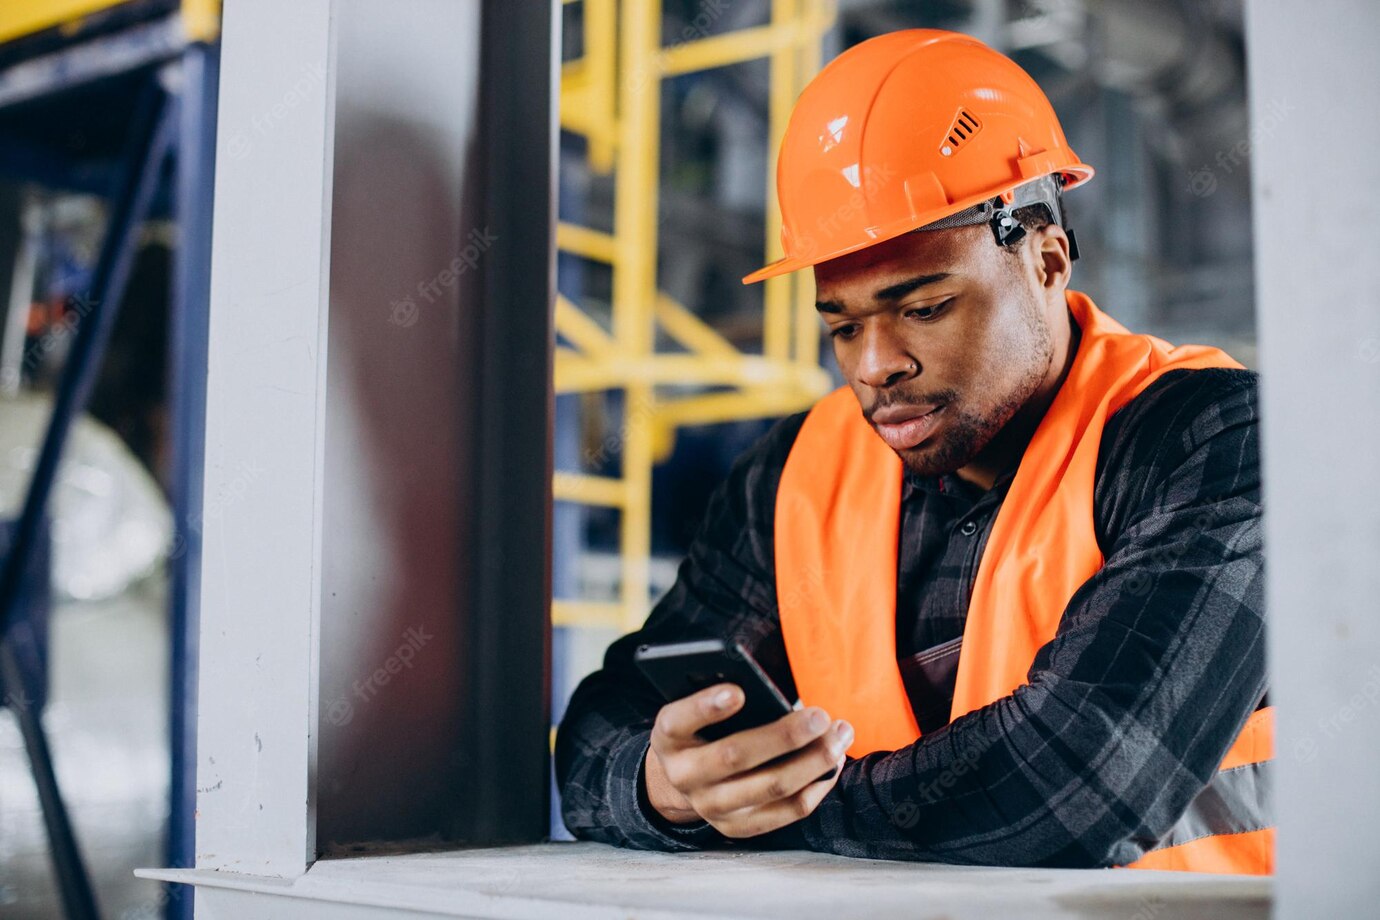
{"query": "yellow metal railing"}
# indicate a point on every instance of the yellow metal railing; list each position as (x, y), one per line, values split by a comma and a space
(611, 96)
(201, 18)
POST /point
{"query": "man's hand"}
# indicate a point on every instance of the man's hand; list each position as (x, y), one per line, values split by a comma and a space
(736, 783)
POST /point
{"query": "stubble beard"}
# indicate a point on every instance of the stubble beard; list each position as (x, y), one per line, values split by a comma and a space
(966, 433)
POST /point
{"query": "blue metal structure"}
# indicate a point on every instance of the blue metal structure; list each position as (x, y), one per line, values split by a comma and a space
(188, 331)
(174, 126)
(151, 139)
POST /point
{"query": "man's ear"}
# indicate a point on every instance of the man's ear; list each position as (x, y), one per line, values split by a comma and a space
(1053, 266)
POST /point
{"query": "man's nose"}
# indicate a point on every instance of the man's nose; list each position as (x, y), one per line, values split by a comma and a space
(883, 361)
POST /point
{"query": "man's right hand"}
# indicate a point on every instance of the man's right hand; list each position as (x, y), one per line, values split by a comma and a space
(736, 783)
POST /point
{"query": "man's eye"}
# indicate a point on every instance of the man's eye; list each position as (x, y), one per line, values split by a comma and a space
(843, 332)
(929, 312)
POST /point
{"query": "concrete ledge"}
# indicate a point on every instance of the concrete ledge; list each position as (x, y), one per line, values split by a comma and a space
(590, 881)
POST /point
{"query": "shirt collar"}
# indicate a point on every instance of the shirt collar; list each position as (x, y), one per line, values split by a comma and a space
(952, 484)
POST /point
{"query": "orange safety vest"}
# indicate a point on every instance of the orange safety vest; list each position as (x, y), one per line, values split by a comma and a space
(837, 528)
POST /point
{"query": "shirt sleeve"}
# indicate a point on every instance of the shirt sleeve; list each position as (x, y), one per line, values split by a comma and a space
(1158, 661)
(725, 588)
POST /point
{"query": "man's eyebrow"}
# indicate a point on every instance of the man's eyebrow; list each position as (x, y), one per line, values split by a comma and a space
(893, 292)
(897, 291)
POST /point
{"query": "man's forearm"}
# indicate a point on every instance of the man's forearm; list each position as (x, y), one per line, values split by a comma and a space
(992, 788)
(1028, 781)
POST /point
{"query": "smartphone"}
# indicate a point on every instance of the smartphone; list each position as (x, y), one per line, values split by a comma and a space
(679, 669)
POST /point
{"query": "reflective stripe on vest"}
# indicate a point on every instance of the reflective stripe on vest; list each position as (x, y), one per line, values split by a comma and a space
(1234, 801)
(1229, 826)
(837, 531)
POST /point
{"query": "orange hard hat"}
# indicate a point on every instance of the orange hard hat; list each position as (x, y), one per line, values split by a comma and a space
(906, 129)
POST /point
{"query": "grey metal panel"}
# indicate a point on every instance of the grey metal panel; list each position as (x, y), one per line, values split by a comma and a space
(1314, 79)
(406, 294)
(434, 633)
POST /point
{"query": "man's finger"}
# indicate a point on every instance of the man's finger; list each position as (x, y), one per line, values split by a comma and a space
(778, 780)
(752, 747)
(677, 722)
(750, 822)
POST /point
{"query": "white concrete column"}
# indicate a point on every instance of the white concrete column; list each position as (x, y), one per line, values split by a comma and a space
(1314, 88)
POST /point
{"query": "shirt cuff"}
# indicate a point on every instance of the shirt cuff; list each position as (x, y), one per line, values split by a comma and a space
(643, 823)
(790, 837)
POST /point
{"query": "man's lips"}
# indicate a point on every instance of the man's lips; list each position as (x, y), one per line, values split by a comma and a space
(904, 427)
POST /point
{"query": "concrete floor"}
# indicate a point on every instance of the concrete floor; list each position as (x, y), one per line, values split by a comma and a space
(107, 726)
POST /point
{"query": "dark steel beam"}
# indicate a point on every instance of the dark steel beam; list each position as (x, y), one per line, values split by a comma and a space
(506, 658)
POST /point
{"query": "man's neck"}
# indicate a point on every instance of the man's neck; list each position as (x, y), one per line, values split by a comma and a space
(1007, 447)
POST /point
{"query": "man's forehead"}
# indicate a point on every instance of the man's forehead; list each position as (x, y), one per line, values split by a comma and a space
(870, 271)
(923, 252)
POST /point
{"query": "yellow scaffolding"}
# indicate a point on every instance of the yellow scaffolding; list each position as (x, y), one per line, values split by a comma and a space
(611, 96)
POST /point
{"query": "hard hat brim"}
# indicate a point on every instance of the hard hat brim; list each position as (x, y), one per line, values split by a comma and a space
(1074, 176)
(779, 267)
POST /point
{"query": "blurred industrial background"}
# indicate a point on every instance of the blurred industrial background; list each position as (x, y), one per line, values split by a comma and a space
(666, 366)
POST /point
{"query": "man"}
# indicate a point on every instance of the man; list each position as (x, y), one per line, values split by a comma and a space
(1013, 570)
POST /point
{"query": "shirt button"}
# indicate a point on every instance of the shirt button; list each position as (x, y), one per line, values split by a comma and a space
(968, 529)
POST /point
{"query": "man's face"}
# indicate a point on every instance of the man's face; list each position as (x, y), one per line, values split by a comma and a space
(943, 336)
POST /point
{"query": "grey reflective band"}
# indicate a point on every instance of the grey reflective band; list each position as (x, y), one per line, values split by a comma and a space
(1234, 802)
